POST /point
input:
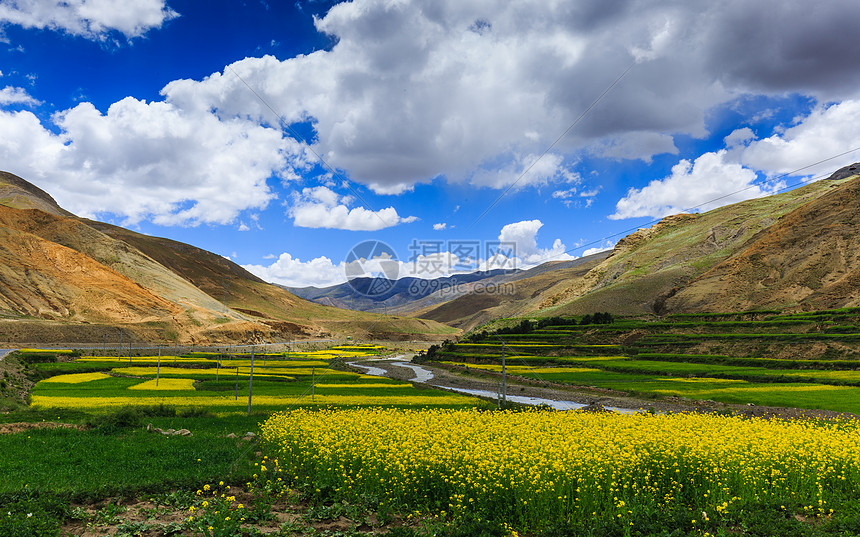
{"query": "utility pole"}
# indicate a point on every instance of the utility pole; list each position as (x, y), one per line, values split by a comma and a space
(313, 382)
(158, 369)
(251, 381)
(504, 386)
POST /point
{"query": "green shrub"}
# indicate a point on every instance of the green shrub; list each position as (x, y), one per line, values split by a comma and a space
(125, 418)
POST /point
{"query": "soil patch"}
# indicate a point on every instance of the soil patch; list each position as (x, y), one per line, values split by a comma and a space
(12, 428)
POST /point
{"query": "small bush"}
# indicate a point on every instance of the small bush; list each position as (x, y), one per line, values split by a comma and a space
(126, 418)
(157, 411)
(196, 412)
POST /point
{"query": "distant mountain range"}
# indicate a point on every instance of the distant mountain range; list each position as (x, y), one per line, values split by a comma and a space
(69, 279)
(408, 295)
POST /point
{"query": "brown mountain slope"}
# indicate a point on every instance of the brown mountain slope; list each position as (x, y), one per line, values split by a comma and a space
(808, 259)
(506, 298)
(116, 255)
(269, 304)
(19, 194)
(66, 277)
(43, 279)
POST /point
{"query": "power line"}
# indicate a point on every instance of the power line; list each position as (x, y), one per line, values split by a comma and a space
(310, 148)
(703, 204)
(557, 140)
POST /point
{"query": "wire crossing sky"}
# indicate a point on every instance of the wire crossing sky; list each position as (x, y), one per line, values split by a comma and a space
(457, 132)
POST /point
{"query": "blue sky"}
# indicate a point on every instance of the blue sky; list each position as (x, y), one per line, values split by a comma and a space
(283, 134)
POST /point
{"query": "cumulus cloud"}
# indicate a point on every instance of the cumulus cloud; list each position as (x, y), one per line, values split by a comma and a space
(410, 93)
(13, 95)
(524, 235)
(294, 272)
(322, 207)
(827, 131)
(711, 181)
(147, 161)
(606, 245)
(739, 137)
(440, 226)
(93, 19)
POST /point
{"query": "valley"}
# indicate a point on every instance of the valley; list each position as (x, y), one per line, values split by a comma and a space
(190, 376)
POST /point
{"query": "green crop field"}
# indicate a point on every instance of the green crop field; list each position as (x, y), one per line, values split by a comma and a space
(223, 386)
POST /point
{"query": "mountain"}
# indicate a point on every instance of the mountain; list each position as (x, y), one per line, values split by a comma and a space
(386, 295)
(509, 296)
(797, 250)
(809, 259)
(64, 278)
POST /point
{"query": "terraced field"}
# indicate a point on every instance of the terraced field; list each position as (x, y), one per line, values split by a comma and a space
(221, 384)
(807, 360)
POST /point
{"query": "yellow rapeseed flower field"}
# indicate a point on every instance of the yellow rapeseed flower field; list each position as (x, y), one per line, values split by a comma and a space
(531, 467)
(76, 378)
(165, 384)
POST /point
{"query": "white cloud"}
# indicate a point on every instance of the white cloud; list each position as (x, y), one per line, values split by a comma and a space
(323, 272)
(606, 245)
(709, 182)
(827, 131)
(294, 272)
(440, 226)
(322, 207)
(739, 137)
(147, 161)
(564, 194)
(12, 95)
(524, 235)
(528, 170)
(93, 19)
